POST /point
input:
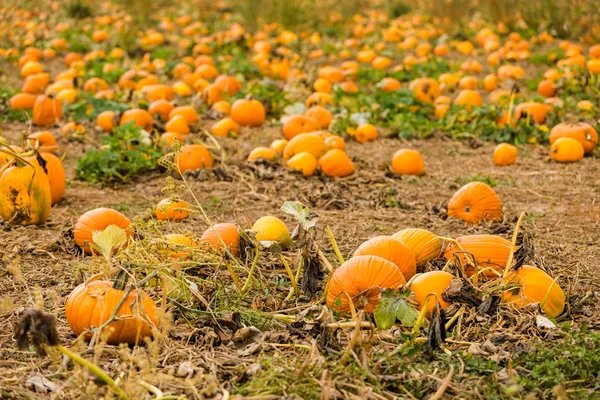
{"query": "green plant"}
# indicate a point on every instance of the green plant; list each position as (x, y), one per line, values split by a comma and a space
(121, 156)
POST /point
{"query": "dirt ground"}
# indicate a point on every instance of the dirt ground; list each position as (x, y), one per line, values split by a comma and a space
(562, 202)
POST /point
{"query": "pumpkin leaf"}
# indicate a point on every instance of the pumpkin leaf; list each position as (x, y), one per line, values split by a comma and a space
(110, 238)
(304, 215)
(394, 306)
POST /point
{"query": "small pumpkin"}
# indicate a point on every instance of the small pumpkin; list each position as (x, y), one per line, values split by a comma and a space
(335, 142)
(178, 246)
(177, 124)
(91, 305)
(532, 285)
(505, 154)
(475, 202)
(227, 232)
(425, 89)
(271, 229)
(248, 112)
(303, 162)
(320, 115)
(298, 124)
(262, 153)
(468, 98)
(193, 157)
(537, 111)
(566, 149)
(426, 246)
(43, 141)
(96, 220)
(47, 110)
(140, 118)
(582, 132)
(490, 251)
(172, 209)
(360, 280)
(433, 282)
(25, 196)
(390, 249)
(336, 163)
(22, 101)
(278, 145)
(305, 143)
(187, 112)
(408, 162)
(225, 127)
(365, 133)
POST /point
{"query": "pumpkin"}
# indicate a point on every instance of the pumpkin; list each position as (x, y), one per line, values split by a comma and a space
(262, 153)
(222, 106)
(335, 142)
(106, 120)
(365, 133)
(91, 305)
(532, 285)
(320, 115)
(43, 141)
(56, 175)
(278, 145)
(177, 124)
(47, 110)
(187, 112)
(433, 282)
(227, 232)
(566, 149)
(336, 163)
(580, 131)
(22, 101)
(468, 98)
(425, 89)
(193, 157)
(360, 279)
(225, 127)
(248, 112)
(408, 162)
(303, 162)
(271, 229)
(36, 83)
(229, 84)
(490, 251)
(505, 154)
(389, 84)
(168, 139)
(140, 118)
(475, 202)
(170, 209)
(25, 196)
(490, 83)
(178, 245)
(96, 220)
(305, 143)
(426, 246)
(546, 88)
(390, 249)
(297, 124)
(537, 111)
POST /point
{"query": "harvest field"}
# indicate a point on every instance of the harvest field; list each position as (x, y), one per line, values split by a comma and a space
(281, 200)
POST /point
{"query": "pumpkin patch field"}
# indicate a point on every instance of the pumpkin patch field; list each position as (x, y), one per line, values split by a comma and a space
(299, 200)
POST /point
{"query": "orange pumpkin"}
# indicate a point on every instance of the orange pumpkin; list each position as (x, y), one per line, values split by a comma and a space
(426, 246)
(537, 111)
(248, 112)
(320, 115)
(490, 251)
(106, 120)
(475, 202)
(43, 141)
(91, 305)
(97, 220)
(435, 283)
(140, 118)
(187, 112)
(335, 142)
(532, 285)
(262, 153)
(177, 124)
(468, 98)
(193, 157)
(566, 149)
(336, 163)
(56, 175)
(305, 143)
(298, 124)
(225, 127)
(365, 133)
(390, 249)
(170, 209)
(303, 162)
(505, 154)
(228, 234)
(47, 110)
(22, 101)
(25, 196)
(425, 89)
(360, 280)
(408, 162)
(580, 131)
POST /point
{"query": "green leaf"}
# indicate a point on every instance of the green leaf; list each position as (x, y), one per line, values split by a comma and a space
(110, 238)
(394, 306)
(304, 215)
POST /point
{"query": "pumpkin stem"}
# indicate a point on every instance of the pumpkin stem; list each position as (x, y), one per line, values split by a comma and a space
(513, 244)
(121, 280)
(290, 274)
(298, 274)
(421, 317)
(251, 273)
(336, 249)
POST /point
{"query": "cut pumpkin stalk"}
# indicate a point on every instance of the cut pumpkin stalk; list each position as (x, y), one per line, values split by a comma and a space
(290, 275)
(336, 249)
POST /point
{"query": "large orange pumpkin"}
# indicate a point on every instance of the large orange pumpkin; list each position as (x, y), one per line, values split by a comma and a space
(392, 250)
(46, 111)
(490, 251)
(360, 279)
(97, 220)
(228, 234)
(533, 286)
(475, 202)
(580, 131)
(426, 246)
(91, 305)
